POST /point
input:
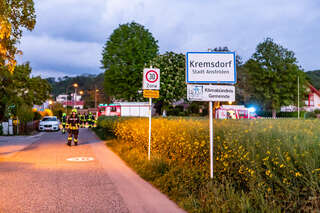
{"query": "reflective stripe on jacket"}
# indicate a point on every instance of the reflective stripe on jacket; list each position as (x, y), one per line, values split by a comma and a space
(73, 122)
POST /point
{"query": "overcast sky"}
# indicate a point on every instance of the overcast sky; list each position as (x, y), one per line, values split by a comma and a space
(70, 34)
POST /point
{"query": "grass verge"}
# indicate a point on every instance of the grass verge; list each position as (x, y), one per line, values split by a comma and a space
(260, 166)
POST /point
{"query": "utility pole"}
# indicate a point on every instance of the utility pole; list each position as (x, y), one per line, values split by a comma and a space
(95, 96)
(298, 99)
(75, 85)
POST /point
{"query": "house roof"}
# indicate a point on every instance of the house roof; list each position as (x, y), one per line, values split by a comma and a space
(314, 90)
(71, 103)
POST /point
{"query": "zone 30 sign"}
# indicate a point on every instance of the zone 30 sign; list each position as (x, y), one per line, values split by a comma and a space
(151, 79)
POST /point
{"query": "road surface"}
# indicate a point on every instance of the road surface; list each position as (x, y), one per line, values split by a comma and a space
(49, 176)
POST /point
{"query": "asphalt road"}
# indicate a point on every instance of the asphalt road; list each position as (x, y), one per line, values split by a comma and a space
(41, 178)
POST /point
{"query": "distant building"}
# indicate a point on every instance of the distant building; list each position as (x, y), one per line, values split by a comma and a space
(74, 103)
(77, 97)
(311, 104)
(42, 107)
(62, 98)
(313, 101)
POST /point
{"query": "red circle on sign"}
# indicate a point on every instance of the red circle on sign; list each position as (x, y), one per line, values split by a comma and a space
(154, 73)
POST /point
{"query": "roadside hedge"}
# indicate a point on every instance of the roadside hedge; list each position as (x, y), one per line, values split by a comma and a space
(105, 126)
(281, 114)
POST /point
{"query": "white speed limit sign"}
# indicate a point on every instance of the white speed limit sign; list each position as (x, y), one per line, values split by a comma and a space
(151, 79)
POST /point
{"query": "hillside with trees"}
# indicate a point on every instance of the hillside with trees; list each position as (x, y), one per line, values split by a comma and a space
(314, 78)
(90, 85)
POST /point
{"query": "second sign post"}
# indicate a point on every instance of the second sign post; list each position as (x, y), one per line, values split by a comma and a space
(204, 69)
(151, 87)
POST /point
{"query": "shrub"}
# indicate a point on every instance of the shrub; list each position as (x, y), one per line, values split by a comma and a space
(105, 126)
(194, 108)
(310, 115)
(57, 110)
(264, 113)
(281, 114)
(317, 111)
(290, 114)
(107, 122)
(25, 113)
(46, 112)
(175, 111)
(36, 115)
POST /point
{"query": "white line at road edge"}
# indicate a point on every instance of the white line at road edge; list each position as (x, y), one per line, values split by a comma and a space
(80, 159)
(37, 135)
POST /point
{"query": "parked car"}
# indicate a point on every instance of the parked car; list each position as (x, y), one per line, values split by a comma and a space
(49, 123)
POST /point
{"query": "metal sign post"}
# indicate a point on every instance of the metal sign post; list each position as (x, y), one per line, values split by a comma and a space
(298, 100)
(211, 138)
(150, 115)
(205, 68)
(151, 87)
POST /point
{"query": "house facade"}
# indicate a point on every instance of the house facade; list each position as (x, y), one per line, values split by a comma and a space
(313, 101)
(74, 103)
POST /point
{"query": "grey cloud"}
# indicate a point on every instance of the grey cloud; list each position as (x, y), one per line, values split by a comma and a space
(69, 35)
(55, 53)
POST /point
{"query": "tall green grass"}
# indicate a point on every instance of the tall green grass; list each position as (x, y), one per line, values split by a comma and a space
(259, 165)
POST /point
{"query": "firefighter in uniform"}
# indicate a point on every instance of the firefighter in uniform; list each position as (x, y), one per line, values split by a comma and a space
(64, 120)
(82, 120)
(86, 117)
(90, 117)
(94, 121)
(73, 130)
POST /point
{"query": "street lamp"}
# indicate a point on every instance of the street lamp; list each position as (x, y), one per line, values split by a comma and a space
(95, 98)
(75, 85)
(50, 104)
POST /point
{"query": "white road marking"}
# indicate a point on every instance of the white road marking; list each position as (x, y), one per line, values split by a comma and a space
(37, 135)
(80, 159)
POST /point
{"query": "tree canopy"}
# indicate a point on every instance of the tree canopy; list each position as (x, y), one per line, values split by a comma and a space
(125, 54)
(19, 89)
(14, 15)
(273, 74)
(172, 77)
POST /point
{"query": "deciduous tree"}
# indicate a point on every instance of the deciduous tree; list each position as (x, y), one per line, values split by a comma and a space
(14, 15)
(125, 54)
(273, 73)
(19, 89)
(172, 77)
